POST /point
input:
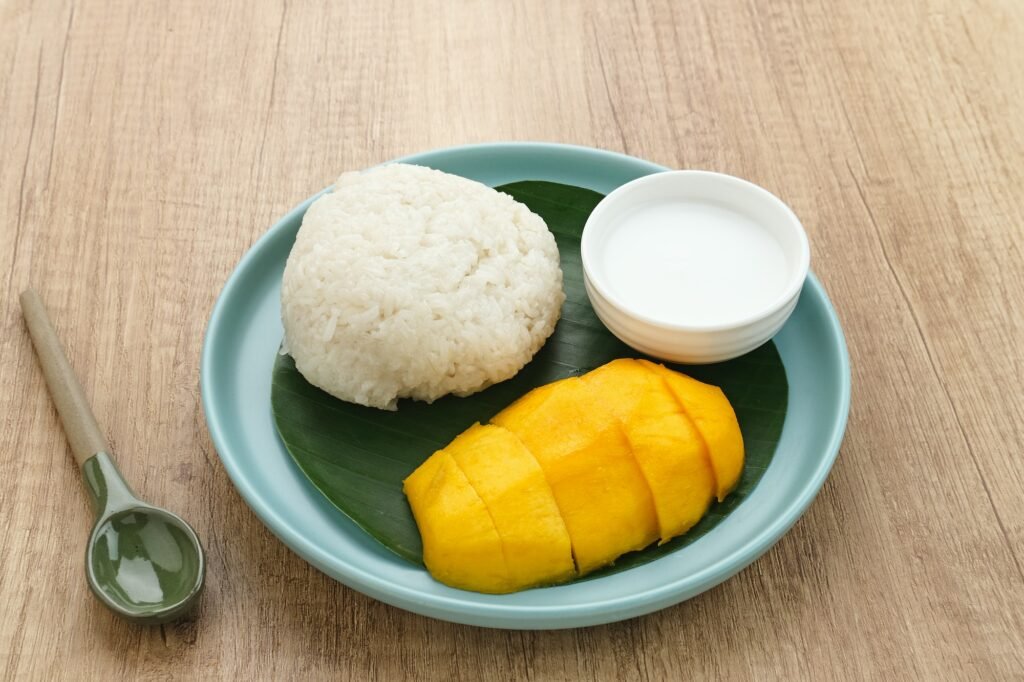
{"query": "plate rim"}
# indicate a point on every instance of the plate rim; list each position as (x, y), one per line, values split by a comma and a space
(510, 615)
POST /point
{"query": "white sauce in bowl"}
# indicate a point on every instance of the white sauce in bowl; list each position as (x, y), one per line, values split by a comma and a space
(694, 262)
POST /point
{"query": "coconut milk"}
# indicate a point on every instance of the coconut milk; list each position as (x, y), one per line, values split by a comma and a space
(694, 263)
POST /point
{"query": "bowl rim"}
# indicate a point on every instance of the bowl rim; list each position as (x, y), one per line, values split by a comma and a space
(794, 284)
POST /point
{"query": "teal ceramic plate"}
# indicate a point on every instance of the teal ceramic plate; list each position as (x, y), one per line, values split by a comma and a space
(238, 356)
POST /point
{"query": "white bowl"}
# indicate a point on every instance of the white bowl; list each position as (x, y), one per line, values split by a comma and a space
(672, 336)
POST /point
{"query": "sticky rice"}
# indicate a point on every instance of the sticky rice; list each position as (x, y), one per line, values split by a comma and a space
(406, 282)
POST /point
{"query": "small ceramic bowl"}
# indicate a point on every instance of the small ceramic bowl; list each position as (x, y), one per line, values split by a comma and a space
(756, 309)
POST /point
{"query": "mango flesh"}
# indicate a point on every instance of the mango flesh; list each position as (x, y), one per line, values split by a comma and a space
(665, 443)
(710, 411)
(573, 475)
(587, 460)
(521, 504)
(461, 546)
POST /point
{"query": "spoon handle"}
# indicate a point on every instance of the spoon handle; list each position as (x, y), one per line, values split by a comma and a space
(79, 423)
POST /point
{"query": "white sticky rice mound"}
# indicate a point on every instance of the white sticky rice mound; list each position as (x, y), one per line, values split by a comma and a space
(406, 282)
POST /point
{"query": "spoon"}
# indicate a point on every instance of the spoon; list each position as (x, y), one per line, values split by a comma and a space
(142, 562)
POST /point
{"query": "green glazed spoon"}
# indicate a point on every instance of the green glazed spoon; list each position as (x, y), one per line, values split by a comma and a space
(144, 563)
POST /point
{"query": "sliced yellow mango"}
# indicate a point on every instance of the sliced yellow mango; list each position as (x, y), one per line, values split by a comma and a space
(673, 458)
(600, 490)
(512, 485)
(573, 475)
(628, 390)
(461, 546)
(715, 419)
(665, 443)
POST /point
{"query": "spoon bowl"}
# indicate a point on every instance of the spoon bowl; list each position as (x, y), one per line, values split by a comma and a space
(145, 563)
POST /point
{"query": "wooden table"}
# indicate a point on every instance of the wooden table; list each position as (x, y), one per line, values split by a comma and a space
(146, 145)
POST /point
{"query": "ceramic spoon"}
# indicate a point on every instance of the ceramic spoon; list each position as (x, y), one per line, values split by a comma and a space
(144, 563)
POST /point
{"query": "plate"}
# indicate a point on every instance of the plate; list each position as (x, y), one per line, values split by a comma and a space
(235, 377)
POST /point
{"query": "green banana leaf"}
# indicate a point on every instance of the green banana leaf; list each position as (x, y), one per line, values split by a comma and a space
(358, 456)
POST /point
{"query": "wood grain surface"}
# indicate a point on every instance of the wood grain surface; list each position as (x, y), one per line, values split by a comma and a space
(146, 145)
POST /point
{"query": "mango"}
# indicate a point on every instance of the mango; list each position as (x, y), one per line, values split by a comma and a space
(573, 475)
(588, 462)
(517, 496)
(715, 419)
(461, 547)
(671, 453)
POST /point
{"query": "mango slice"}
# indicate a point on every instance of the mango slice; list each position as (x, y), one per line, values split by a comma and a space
(573, 475)
(461, 547)
(587, 460)
(665, 443)
(512, 486)
(715, 419)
